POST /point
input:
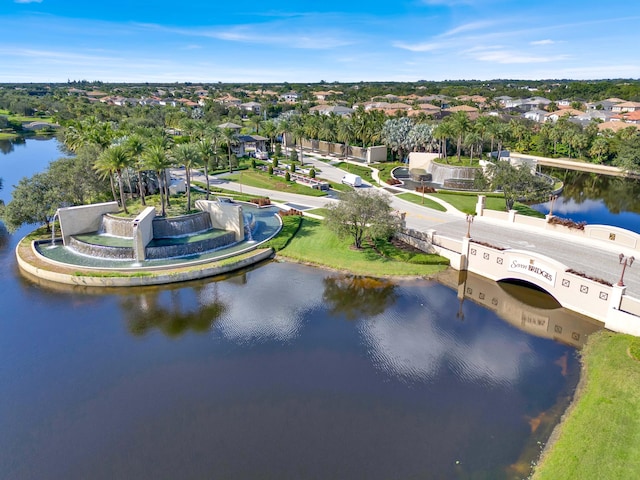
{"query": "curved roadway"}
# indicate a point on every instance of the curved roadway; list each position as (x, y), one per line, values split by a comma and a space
(593, 258)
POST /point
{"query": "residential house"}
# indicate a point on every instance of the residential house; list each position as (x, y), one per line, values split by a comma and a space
(253, 107)
(565, 112)
(536, 115)
(626, 107)
(290, 97)
(329, 109)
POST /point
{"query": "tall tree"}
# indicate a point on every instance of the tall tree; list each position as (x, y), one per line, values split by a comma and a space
(186, 154)
(361, 214)
(461, 124)
(156, 159)
(111, 161)
(230, 138)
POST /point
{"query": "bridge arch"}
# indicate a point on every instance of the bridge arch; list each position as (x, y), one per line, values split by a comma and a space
(571, 289)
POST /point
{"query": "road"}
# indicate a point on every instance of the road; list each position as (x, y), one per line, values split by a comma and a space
(593, 258)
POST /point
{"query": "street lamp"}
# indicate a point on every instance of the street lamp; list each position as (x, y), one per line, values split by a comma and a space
(552, 199)
(422, 188)
(469, 222)
(624, 261)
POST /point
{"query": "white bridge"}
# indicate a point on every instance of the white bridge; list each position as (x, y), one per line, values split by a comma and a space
(585, 281)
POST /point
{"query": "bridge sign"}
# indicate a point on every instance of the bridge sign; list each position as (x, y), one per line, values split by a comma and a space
(532, 268)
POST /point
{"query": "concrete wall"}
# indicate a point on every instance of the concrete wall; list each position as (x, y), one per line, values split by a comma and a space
(143, 232)
(613, 235)
(226, 216)
(377, 153)
(421, 160)
(83, 218)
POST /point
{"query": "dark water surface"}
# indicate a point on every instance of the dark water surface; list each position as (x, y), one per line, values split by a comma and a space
(283, 371)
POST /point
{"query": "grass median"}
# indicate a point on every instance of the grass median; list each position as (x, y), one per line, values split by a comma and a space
(600, 436)
(312, 242)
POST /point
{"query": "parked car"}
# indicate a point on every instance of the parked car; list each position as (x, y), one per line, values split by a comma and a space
(352, 179)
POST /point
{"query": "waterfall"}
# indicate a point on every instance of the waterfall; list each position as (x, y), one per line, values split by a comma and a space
(53, 229)
(249, 226)
(440, 173)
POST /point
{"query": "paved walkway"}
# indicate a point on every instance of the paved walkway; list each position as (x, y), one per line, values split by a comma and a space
(595, 259)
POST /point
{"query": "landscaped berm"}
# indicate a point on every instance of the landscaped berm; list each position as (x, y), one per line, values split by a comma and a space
(95, 247)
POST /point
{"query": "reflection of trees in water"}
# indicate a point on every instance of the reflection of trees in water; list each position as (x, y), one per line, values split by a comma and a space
(7, 145)
(4, 236)
(354, 296)
(618, 194)
(151, 310)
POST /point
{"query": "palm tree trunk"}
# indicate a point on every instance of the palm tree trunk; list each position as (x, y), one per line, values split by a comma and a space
(166, 188)
(141, 188)
(188, 177)
(206, 174)
(123, 200)
(113, 188)
(161, 188)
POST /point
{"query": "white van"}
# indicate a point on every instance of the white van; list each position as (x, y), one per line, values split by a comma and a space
(352, 179)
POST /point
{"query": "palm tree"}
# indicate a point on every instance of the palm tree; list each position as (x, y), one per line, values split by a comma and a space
(186, 154)
(327, 130)
(270, 131)
(206, 151)
(156, 159)
(230, 138)
(135, 147)
(471, 140)
(113, 160)
(345, 133)
(443, 132)
(461, 125)
(298, 134)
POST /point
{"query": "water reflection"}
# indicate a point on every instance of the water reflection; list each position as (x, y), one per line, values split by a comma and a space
(355, 297)
(525, 308)
(173, 312)
(8, 145)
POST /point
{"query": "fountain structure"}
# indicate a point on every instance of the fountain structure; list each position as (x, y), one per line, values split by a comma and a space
(93, 238)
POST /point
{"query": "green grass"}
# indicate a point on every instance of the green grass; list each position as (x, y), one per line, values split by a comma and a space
(363, 172)
(319, 211)
(258, 179)
(466, 202)
(600, 436)
(290, 226)
(314, 243)
(417, 199)
(7, 136)
(386, 168)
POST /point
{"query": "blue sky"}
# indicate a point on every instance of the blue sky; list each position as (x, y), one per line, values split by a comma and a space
(295, 41)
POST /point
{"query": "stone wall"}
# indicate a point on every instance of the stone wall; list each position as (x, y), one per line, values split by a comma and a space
(226, 216)
(84, 218)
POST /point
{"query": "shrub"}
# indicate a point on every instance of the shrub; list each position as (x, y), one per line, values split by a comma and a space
(312, 173)
(261, 202)
(393, 181)
(253, 163)
(278, 151)
(275, 163)
(294, 155)
(567, 222)
(293, 167)
(424, 189)
(287, 176)
(588, 277)
(270, 170)
(291, 211)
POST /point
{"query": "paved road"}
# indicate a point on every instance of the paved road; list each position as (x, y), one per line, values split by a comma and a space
(593, 258)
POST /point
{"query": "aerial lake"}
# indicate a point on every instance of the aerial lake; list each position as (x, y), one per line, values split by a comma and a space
(282, 371)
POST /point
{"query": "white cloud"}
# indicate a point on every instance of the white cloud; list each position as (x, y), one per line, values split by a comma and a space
(419, 47)
(468, 27)
(498, 54)
(542, 42)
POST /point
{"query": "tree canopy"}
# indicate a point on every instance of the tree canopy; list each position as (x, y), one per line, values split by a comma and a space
(516, 183)
(363, 214)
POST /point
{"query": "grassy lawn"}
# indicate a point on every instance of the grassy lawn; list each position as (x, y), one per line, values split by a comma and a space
(386, 168)
(259, 179)
(363, 172)
(466, 202)
(600, 437)
(417, 199)
(314, 243)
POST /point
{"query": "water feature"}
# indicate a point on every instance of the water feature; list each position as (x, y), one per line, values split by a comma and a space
(440, 173)
(284, 369)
